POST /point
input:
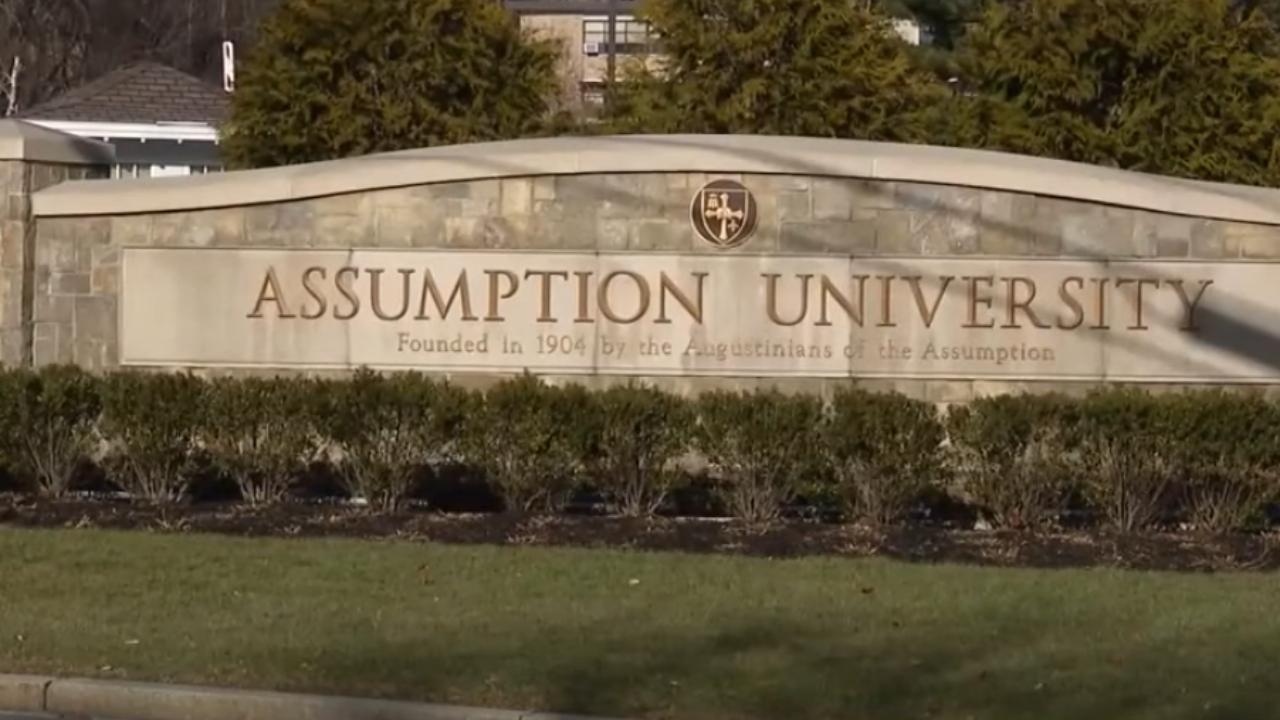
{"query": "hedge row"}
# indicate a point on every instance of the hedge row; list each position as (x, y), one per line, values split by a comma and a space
(1135, 460)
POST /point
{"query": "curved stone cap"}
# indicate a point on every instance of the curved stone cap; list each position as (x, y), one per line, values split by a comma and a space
(28, 142)
(727, 154)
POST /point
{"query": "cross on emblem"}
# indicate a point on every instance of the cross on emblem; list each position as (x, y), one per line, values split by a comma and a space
(718, 209)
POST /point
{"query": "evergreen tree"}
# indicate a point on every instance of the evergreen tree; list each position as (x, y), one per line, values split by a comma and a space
(828, 68)
(338, 78)
(1179, 87)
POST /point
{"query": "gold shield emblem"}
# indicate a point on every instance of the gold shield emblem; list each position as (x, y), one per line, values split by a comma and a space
(723, 213)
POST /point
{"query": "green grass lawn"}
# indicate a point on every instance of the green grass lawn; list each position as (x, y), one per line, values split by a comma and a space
(632, 635)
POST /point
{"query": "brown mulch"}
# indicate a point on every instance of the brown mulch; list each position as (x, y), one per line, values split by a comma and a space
(918, 543)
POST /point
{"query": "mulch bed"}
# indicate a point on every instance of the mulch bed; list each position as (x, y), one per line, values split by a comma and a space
(918, 543)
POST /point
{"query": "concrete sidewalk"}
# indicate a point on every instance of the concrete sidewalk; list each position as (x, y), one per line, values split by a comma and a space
(37, 695)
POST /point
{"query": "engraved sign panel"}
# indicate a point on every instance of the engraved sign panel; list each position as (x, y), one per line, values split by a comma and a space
(700, 314)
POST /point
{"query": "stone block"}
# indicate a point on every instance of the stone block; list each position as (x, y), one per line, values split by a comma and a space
(779, 184)
(660, 235)
(12, 244)
(927, 198)
(13, 175)
(828, 236)
(1088, 230)
(449, 191)
(632, 196)
(340, 230)
(70, 283)
(561, 227)
(53, 308)
(57, 254)
(544, 188)
(463, 232)
(44, 346)
(516, 196)
(93, 230)
(105, 280)
(483, 199)
(409, 225)
(582, 192)
(832, 199)
(94, 316)
(944, 233)
(278, 224)
(613, 234)
(12, 346)
(1262, 242)
(127, 230)
(893, 233)
(1173, 247)
(17, 207)
(43, 175)
(794, 205)
(1248, 240)
(105, 256)
(515, 232)
(1006, 223)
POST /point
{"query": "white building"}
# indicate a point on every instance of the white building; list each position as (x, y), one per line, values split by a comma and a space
(160, 120)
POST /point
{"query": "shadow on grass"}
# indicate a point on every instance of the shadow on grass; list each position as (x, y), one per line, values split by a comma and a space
(763, 669)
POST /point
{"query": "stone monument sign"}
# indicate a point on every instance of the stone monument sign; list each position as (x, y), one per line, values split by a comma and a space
(708, 259)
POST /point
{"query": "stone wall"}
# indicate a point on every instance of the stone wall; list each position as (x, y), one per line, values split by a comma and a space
(76, 275)
(31, 159)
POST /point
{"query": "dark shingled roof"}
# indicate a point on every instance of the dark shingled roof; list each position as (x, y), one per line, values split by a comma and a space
(145, 92)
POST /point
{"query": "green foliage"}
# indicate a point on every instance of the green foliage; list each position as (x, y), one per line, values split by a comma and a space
(884, 450)
(1188, 88)
(13, 382)
(1127, 464)
(642, 433)
(58, 411)
(387, 428)
(260, 432)
(533, 441)
(764, 445)
(151, 422)
(331, 79)
(1008, 453)
(827, 68)
(1137, 459)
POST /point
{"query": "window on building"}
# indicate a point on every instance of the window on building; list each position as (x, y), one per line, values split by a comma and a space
(136, 170)
(633, 36)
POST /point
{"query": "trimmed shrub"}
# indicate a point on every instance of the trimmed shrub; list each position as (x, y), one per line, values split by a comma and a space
(532, 441)
(58, 409)
(1228, 446)
(48, 426)
(12, 384)
(1127, 460)
(884, 451)
(1008, 453)
(151, 423)
(260, 432)
(642, 432)
(387, 429)
(763, 444)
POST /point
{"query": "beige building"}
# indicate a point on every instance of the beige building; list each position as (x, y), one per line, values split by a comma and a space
(582, 27)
